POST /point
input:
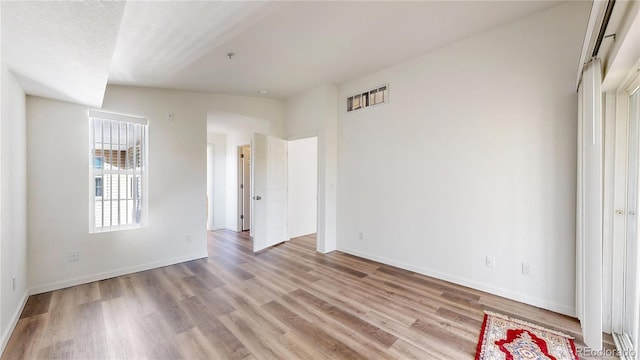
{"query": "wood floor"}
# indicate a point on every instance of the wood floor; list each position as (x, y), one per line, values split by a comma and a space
(288, 302)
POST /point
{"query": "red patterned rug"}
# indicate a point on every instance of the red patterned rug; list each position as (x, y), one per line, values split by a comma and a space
(505, 338)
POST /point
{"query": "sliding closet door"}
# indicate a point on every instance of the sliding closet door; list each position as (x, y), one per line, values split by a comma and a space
(589, 207)
(632, 296)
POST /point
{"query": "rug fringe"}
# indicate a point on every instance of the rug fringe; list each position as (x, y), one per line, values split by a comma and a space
(528, 324)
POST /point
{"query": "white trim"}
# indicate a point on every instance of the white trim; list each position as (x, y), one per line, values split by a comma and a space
(513, 295)
(98, 114)
(110, 274)
(14, 321)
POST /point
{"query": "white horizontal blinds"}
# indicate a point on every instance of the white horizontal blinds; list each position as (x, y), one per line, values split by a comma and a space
(118, 172)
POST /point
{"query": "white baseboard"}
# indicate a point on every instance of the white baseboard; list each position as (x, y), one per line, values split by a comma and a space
(109, 274)
(217, 227)
(6, 334)
(513, 295)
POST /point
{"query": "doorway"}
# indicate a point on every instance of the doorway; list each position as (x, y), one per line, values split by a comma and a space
(244, 187)
(210, 186)
(284, 187)
(302, 187)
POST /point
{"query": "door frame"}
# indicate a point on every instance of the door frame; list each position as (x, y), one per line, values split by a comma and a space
(210, 182)
(239, 191)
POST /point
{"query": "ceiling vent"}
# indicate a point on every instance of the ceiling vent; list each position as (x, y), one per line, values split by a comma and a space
(379, 95)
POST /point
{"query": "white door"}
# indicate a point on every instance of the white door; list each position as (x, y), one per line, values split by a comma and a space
(589, 207)
(269, 172)
(632, 297)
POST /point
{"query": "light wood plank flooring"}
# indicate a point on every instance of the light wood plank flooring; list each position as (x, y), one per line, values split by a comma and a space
(288, 302)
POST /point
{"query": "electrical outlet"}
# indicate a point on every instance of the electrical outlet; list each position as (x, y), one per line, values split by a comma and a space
(527, 269)
(13, 282)
(74, 255)
(187, 238)
(361, 235)
(491, 262)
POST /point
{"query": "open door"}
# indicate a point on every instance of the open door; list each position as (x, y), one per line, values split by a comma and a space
(269, 172)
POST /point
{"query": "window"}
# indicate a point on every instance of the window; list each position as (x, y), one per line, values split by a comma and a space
(379, 95)
(118, 171)
(98, 186)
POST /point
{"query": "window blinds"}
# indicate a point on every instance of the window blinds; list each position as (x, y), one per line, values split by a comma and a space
(118, 171)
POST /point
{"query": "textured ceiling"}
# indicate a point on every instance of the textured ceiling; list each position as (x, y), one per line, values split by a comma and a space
(287, 47)
(67, 50)
(158, 39)
(61, 50)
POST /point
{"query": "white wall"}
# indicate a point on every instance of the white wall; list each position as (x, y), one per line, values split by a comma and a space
(474, 156)
(302, 195)
(315, 113)
(58, 202)
(216, 181)
(13, 203)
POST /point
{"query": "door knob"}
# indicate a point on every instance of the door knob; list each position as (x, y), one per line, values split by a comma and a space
(257, 198)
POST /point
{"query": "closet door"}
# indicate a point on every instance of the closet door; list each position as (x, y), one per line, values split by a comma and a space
(589, 207)
(631, 318)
